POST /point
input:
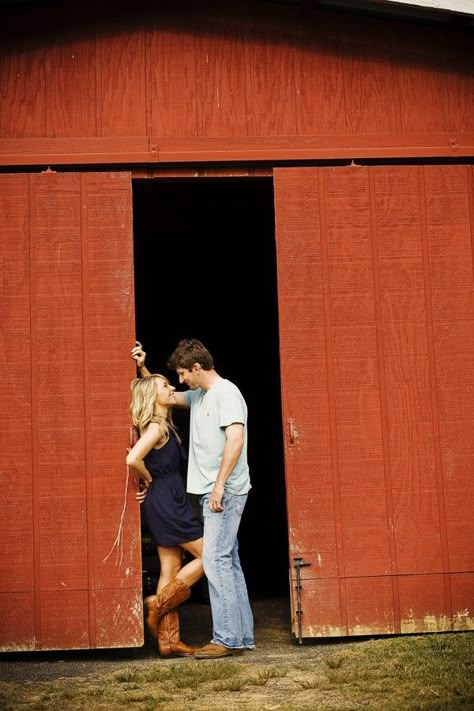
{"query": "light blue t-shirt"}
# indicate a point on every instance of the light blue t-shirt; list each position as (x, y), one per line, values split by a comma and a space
(211, 412)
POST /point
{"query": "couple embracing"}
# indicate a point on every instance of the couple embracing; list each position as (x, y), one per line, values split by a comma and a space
(218, 472)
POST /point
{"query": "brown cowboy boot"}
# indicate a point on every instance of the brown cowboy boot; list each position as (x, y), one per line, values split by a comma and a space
(168, 637)
(167, 599)
(153, 618)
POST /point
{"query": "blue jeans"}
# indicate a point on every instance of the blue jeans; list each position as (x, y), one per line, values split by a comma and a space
(232, 619)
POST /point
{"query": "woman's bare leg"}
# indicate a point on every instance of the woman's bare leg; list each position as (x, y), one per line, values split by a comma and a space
(192, 571)
(171, 560)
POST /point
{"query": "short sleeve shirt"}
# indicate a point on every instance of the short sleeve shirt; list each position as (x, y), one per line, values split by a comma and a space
(211, 412)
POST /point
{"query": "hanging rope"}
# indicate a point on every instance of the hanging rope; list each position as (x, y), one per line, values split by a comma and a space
(118, 543)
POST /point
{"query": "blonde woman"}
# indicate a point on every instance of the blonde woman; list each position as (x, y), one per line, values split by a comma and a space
(159, 460)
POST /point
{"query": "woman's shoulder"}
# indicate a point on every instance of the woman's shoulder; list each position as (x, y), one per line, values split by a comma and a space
(157, 430)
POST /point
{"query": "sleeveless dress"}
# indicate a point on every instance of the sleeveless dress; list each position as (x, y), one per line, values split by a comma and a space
(167, 508)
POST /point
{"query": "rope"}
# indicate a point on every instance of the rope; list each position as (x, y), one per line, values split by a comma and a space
(118, 543)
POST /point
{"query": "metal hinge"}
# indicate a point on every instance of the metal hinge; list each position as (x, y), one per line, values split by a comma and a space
(299, 563)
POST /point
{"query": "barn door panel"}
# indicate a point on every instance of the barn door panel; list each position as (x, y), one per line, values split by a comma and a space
(69, 237)
(375, 295)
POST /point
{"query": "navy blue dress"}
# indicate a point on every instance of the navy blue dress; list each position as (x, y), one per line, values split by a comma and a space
(167, 507)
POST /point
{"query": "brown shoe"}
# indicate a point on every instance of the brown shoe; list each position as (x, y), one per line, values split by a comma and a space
(171, 596)
(166, 600)
(216, 651)
(169, 641)
(152, 618)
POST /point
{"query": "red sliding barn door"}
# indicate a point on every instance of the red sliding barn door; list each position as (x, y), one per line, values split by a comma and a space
(67, 322)
(375, 279)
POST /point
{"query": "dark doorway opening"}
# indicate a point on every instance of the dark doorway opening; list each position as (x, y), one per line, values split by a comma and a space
(205, 267)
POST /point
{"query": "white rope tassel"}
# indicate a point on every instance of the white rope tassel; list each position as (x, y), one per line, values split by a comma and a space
(118, 543)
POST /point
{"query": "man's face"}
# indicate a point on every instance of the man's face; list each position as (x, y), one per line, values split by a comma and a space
(189, 377)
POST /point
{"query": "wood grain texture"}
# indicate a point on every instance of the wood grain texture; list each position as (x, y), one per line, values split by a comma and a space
(121, 105)
(270, 73)
(224, 72)
(382, 319)
(22, 93)
(67, 252)
(221, 100)
(70, 88)
(16, 478)
(319, 76)
(421, 73)
(171, 78)
(370, 88)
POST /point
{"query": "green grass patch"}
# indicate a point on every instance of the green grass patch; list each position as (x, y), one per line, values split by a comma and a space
(422, 673)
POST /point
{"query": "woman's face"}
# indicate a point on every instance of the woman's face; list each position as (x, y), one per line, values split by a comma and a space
(165, 393)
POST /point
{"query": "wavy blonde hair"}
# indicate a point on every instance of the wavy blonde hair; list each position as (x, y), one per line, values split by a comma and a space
(142, 404)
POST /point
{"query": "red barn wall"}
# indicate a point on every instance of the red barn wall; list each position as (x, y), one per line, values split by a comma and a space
(206, 81)
(65, 331)
(375, 276)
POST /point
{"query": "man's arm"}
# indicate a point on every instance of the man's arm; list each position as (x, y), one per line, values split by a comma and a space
(139, 355)
(233, 447)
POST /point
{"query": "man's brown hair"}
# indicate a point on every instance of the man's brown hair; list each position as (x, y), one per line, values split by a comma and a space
(188, 352)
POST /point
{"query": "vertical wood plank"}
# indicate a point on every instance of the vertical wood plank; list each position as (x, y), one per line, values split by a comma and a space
(420, 68)
(270, 71)
(319, 69)
(171, 96)
(460, 80)
(70, 87)
(121, 78)
(220, 76)
(448, 195)
(305, 402)
(370, 87)
(17, 625)
(115, 579)
(60, 501)
(22, 79)
(405, 352)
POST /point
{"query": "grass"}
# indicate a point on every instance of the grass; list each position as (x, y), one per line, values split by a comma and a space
(424, 673)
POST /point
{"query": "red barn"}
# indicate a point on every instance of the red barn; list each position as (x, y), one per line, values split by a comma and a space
(293, 184)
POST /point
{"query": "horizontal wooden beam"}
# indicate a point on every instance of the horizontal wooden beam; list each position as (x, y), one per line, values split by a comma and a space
(156, 151)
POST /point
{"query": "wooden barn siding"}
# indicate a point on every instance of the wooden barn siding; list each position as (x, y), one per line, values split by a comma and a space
(184, 83)
(66, 327)
(375, 280)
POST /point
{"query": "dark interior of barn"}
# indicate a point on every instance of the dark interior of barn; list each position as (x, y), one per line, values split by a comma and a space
(205, 267)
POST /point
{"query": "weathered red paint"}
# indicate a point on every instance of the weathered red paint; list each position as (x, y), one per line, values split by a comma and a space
(248, 82)
(67, 324)
(375, 275)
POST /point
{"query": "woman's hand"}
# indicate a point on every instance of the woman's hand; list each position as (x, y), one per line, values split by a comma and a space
(143, 491)
(138, 354)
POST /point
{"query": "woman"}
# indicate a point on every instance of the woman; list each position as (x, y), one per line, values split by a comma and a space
(158, 458)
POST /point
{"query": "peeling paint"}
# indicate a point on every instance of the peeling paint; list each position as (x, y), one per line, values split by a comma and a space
(428, 623)
(15, 647)
(368, 630)
(324, 631)
(462, 620)
(136, 608)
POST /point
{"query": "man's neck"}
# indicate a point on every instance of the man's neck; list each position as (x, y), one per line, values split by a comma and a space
(208, 379)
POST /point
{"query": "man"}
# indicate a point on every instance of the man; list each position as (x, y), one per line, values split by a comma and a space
(218, 472)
